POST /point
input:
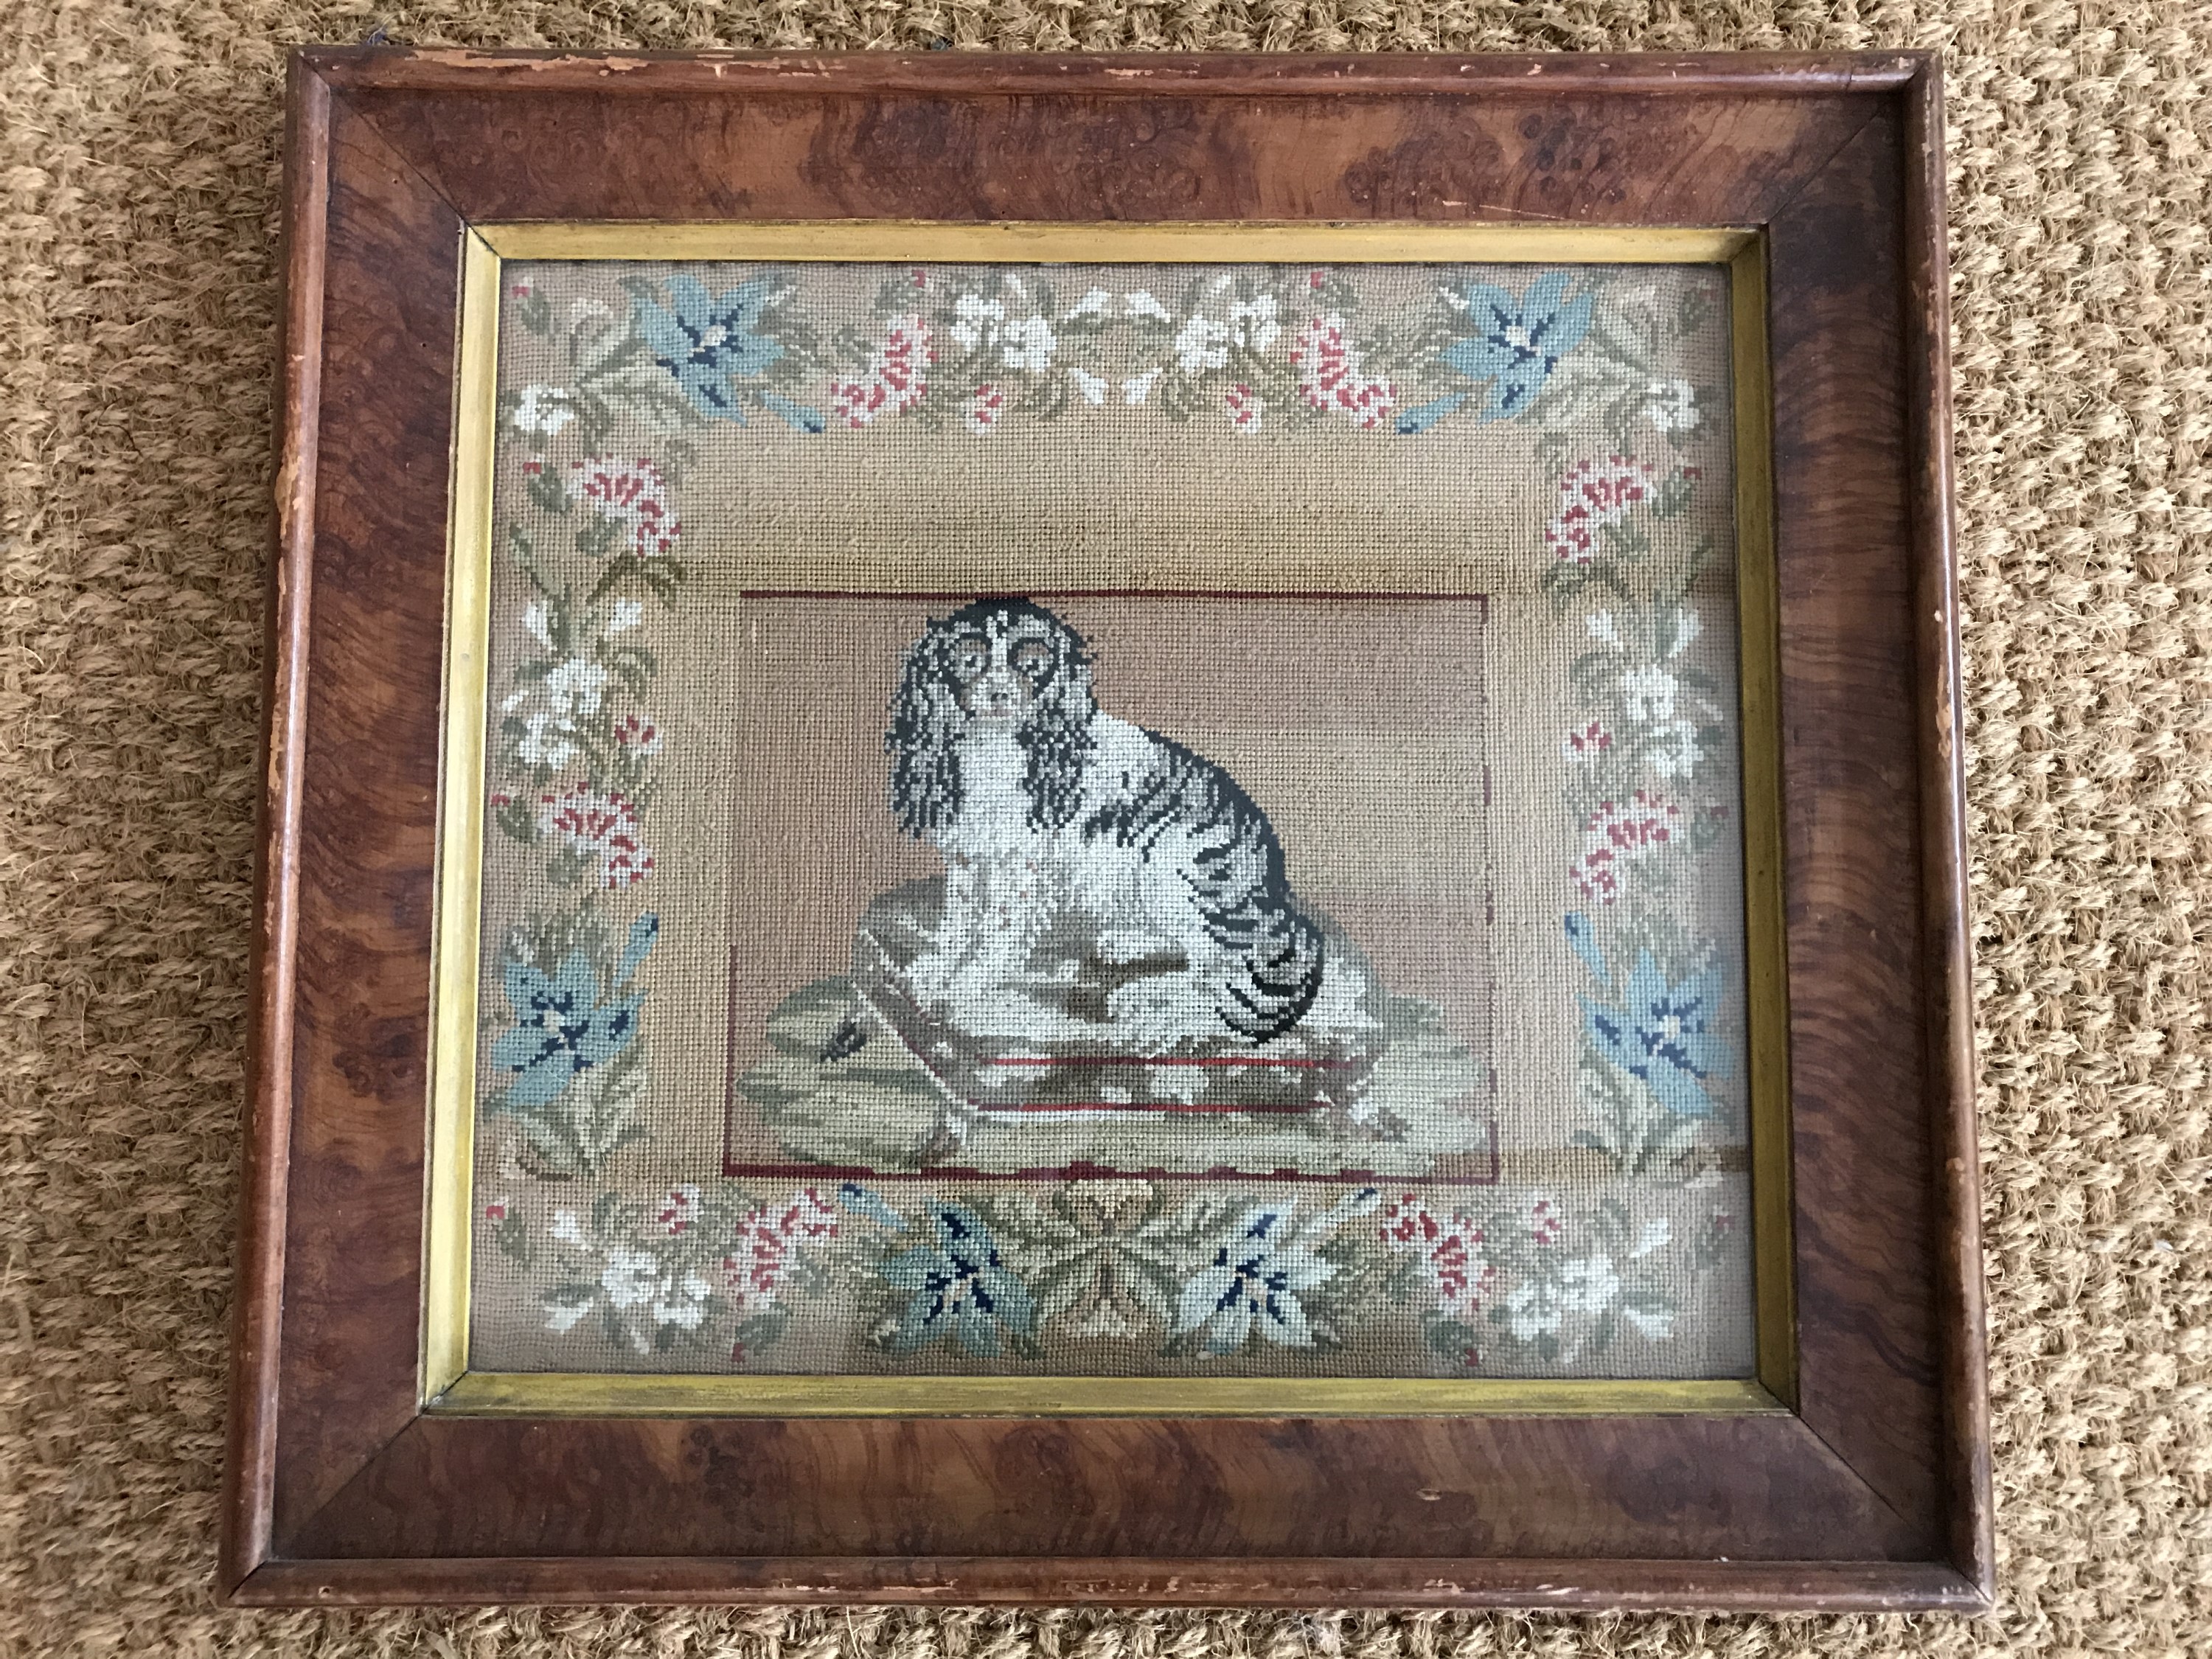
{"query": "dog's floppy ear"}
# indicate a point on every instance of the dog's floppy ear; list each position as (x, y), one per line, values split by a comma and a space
(924, 739)
(1056, 735)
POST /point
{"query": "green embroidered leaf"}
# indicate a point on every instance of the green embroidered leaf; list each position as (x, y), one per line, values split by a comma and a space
(534, 311)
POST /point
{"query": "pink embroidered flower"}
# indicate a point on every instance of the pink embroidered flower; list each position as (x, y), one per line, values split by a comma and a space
(895, 379)
(984, 408)
(762, 1247)
(1593, 495)
(679, 1210)
(805, 1216)
(1588, 743)
(496, 1209)
(1245, 408)
(1450, 1252)
(1330, 376)
(602, 828)
(1616, 833)
(1545, 1223)
(634, 496)
(637, 735)
(1315, 279)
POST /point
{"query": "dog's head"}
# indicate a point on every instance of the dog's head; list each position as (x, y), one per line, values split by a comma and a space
(999, 663)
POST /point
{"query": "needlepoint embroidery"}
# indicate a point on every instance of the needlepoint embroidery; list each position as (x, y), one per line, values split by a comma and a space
(1113, 820)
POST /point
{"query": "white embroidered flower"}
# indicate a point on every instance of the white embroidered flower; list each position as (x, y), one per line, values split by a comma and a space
(1673, 750)
(1142, 304)
(544, 409)
(542, 742)
(572, 689)
(631, 1276)
(1095, 302)
(1201, 343)
(1687, 627)
(625, 615)
(1138, 387)
(562, 1316)
(1603, 628)
(1647, 696)
(1529, 1313)
(1672, 406)
(566, 1229)
(975, 319)
(535, 620)
(575, 686)
(1588, 1285)
(1652, 1236)
(1252, 322)
(1090, 387)
(1028, 345)
(1657, 1324)
(683, 1302)
(635, 1278)
(589, 311)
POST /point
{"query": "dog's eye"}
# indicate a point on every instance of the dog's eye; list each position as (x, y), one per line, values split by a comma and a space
(1032, 659)
(971, 657)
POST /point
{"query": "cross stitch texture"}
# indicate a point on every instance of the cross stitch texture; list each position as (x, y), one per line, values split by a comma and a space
(1114, 819)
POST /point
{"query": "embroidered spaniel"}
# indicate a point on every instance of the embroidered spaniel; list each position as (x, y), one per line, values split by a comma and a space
(1059, 822)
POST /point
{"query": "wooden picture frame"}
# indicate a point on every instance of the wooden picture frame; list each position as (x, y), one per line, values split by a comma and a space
(368, 1461)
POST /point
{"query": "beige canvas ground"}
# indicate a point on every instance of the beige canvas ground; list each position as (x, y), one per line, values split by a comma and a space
(137, 306)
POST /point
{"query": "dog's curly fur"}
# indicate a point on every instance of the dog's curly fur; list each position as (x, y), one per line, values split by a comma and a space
(1052, 812)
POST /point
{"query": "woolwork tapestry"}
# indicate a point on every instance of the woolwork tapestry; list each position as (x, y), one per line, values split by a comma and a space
(1113, 820)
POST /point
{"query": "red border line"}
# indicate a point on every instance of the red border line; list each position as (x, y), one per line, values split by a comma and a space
(1140, 1059)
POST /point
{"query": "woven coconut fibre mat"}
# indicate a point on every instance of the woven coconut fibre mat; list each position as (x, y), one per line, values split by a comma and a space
(140, 171)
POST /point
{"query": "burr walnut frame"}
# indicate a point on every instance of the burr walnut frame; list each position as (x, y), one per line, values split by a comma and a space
(368, 1463)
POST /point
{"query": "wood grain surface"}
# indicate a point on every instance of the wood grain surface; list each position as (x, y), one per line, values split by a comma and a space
(1873, 1495)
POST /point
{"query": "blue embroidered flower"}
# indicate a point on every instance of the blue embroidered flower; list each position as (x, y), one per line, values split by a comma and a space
(1254, 1278)
(958, 1287)
(1662, 1034)
(1516, 345)
(1585, 943)
(562, 1026)
(709, 342)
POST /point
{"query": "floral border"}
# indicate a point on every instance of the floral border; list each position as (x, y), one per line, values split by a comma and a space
(1265, 350)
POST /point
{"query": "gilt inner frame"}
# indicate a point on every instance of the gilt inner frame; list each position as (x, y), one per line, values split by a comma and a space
(446, 1382)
